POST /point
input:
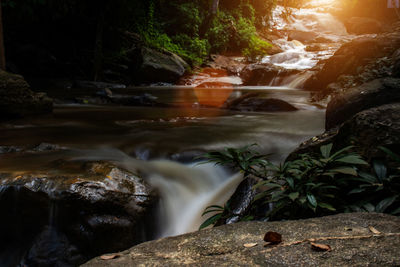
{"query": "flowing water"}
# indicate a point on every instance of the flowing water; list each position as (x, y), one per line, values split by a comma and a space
(163, 142)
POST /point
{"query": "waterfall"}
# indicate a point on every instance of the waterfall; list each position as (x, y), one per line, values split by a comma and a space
(185, 190)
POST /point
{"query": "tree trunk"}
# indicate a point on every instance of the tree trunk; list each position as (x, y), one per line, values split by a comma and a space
(2, 52)
(214, 7)
(207, 21)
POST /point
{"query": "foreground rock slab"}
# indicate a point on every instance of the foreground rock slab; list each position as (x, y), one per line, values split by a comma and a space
(357, 239)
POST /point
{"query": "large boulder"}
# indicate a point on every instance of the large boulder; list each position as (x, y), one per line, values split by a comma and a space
(346, 60)
(363, 25)
(365, 58)
(262, 104)
(71, 212)
(347, 103)
(366, 131)
(349, 236)
(17, 99)
(264, 74)
(156, 66)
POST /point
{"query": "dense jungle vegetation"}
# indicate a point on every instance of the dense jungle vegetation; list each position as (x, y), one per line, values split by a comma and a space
(83, 36)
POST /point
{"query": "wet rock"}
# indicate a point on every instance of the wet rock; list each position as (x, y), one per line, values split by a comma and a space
(17, 100)
(302, 36)
(396, 64)
(263, 74)
(224, 245)
(72, 211)
(262, 104)
(378, 126)
(228, 65)
(241, 200)
(362, 25)
(156, 66)
(346, 104)
(345, 61)
(365, 58)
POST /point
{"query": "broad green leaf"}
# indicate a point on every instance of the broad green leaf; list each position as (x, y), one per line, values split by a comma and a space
(396, 211)
(312, 200)
(356, 191)
(390, 153)
(369, 207)
(345, 170)
(290, 182)
(209, 211)
(326, 206)
(367, 177)
(340, 152)
(380, 170)
(293, 196)
(352, 159)
(384, 204)
(326, 150)
(210, 221)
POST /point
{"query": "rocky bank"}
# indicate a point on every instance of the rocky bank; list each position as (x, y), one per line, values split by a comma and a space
(357, 239)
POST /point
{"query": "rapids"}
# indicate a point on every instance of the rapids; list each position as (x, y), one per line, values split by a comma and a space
(163, 142)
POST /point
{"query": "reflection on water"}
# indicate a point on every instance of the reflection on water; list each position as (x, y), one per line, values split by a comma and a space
(162, 142)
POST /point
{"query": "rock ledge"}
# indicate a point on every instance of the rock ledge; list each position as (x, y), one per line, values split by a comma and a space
(224, 246)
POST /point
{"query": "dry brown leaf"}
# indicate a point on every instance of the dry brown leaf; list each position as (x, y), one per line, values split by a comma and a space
(250, 245)
(109, 256)
(373, 230)
(273, 237)
(320, 247)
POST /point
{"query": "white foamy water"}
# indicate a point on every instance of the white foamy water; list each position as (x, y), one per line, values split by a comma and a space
(325, 28)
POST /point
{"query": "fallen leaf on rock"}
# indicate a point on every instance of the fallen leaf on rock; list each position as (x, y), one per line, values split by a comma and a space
(109, 177)
(320, 247)
(273, 237)
(109, 257)
(250, 245)
(373, 230)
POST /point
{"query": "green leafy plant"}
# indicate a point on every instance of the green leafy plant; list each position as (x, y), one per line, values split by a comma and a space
(378, 191)
(220, 213)
(245, 159)
(307, 186)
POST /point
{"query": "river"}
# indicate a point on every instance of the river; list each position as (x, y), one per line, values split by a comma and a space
(162, 142)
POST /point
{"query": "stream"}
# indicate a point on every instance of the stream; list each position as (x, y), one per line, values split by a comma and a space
(162, 142)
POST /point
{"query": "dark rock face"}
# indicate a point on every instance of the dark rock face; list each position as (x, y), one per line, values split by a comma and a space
(65, 219)
(158, 66)
(224, 245)
(362, 25)
(379, 126)
(241, 200)
(363, 59)
(346, 104)
(17, 100)
(263, 74)
(345, 61)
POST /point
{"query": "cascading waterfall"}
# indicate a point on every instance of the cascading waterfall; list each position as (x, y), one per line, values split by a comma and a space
(325, 30)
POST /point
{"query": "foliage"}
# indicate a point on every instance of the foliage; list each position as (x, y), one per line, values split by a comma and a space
(307, 186)
(378, 191)
(244, 159)
(220, 213)
(257, 48)
(316, 184)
